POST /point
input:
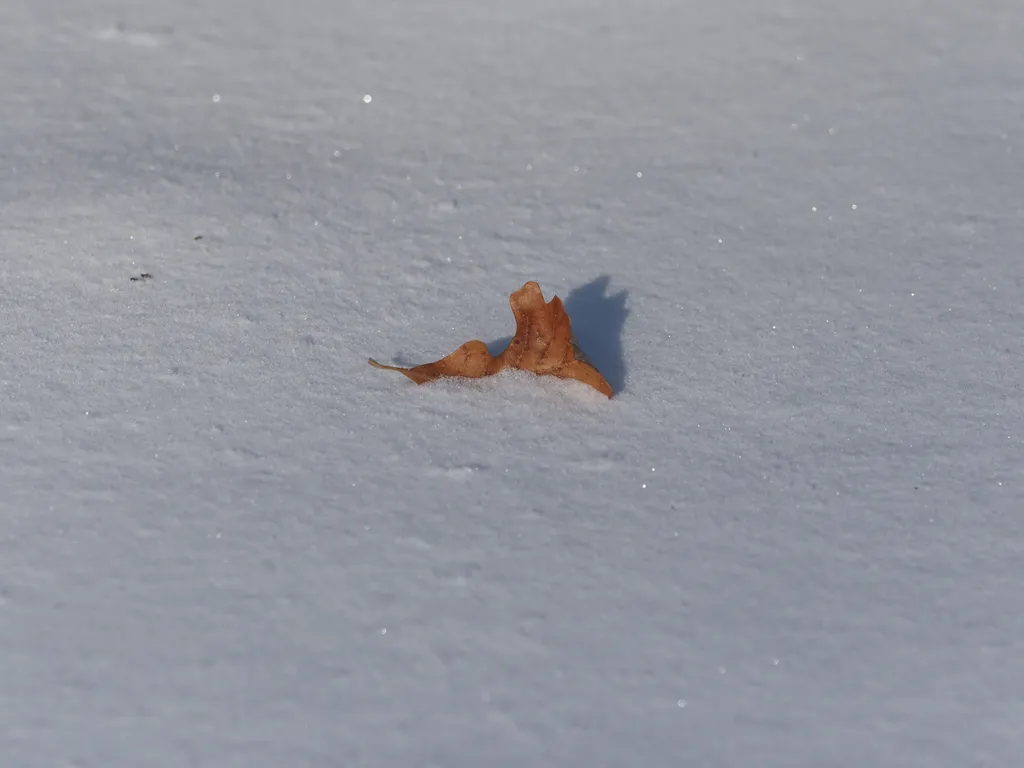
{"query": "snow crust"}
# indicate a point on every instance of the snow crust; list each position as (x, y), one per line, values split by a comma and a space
(789, 234)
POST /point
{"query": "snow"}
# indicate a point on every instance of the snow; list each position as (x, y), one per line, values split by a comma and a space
(789, 234)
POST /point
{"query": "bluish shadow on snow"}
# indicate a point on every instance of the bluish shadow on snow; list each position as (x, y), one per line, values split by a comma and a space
(597, 321)
(497, 346)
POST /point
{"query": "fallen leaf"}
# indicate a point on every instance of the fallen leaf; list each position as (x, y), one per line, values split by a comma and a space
(544, 344)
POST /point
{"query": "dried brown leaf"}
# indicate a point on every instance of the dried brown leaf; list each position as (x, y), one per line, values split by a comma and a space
(544, 344)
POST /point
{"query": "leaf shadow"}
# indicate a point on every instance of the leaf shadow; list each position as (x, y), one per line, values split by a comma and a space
(598, 320)
(497, 346)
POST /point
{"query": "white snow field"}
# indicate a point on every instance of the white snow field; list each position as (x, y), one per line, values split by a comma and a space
(790, 234)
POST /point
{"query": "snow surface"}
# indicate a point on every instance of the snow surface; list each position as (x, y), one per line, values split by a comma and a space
(790, 233)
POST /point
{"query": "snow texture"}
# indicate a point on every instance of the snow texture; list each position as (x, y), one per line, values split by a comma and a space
(790, 235)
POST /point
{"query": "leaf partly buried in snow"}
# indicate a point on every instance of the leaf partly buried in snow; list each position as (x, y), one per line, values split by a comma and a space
(544, 343)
